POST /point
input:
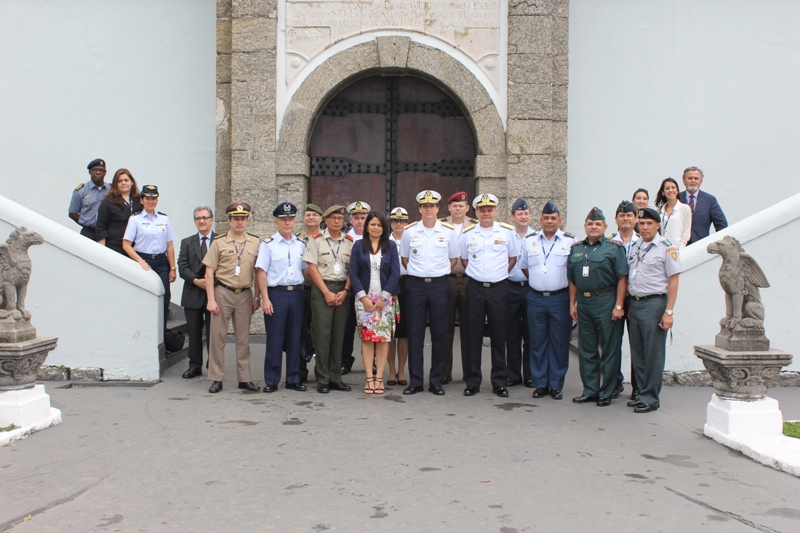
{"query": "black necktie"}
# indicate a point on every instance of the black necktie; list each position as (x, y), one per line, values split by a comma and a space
(203, 246)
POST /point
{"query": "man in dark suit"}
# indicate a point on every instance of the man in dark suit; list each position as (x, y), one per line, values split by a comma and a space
(194, 299)
(704, 206)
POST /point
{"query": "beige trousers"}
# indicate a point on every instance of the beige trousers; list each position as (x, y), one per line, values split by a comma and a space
(239, 308)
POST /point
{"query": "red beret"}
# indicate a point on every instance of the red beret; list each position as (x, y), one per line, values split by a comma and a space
(460, 196)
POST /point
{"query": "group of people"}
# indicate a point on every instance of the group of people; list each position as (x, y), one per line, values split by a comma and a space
(389, 280)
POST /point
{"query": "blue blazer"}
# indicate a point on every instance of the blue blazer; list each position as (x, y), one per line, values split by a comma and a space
(360, 267)
(706, 212)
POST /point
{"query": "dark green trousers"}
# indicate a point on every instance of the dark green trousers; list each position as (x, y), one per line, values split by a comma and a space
(599, 344)
(329, 324)
(648, 347)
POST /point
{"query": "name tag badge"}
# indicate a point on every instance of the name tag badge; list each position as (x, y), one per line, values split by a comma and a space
(290, 271)
(337, 269)
(237, 271)
(544, 269)
(632, 274)
(586, 271)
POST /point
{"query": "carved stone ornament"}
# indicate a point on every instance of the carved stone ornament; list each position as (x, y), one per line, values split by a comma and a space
(15, 272)
(742, 327)
(20, 362)
(742, 375)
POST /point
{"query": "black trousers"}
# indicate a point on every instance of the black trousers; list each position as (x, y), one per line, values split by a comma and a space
(349, 334)
(160, 266)
(486, 303)
(196, 320)
(306, 336)
(427, 299)
(517, 336)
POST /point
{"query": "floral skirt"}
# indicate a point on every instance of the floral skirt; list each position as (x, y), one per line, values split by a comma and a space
(377, 326)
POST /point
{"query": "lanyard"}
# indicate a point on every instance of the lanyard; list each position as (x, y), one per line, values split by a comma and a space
(239, 253)
(544, 242)
(336, 253)
(641, 253)
(586, 254)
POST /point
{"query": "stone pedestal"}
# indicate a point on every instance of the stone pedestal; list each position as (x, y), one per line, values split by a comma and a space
(742, 339)
(28, 410)
(743, 375)
(20, 362)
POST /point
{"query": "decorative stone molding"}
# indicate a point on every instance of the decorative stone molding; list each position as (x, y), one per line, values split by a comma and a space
(742, 375)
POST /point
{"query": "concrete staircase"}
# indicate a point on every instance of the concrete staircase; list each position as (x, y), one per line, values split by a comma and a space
(175, 322)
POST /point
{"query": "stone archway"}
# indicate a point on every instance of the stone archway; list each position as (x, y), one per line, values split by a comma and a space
(394, 55)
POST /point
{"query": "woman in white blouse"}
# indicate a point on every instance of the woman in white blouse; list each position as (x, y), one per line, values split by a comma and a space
(676, 218)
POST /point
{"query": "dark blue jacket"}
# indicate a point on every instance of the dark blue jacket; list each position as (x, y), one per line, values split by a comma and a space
(360, 267)
(706, 212)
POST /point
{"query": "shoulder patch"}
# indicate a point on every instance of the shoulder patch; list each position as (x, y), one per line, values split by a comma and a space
(568, 234)
(467, 228)
(666, 243)
(447, 224)
(412, 224)
(507, 225)
(349, 237)
(80, 186)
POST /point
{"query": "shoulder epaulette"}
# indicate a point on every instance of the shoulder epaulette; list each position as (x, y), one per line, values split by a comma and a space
(614, 242)
(507, 225)
(467, 228)
(254, 236)
(532, 234)
(349, 237)
(575, 243)
(219, 236)
(667, 243)
(413, 224)
(267, 241)
(443, 219)
(568, 234)
(473, 220)
(138, 212)
(447, 224)
(80, 186)
(610, 235)
(317, 235)
(160, 213)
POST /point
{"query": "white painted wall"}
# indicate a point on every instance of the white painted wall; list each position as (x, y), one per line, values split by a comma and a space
(660, 85)
(105, 310)
(131, 81)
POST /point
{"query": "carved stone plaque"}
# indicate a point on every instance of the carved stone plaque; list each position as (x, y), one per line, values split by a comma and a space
(471, 26)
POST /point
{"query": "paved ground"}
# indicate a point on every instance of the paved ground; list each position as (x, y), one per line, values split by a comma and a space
(174, 458)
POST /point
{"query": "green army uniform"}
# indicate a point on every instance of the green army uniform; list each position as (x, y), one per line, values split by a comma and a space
(597, 294)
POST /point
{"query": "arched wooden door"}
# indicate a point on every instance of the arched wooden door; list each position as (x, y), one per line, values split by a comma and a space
(383, 139)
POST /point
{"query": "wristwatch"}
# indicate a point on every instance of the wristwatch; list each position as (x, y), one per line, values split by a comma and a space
(618, 307)
(669, 312)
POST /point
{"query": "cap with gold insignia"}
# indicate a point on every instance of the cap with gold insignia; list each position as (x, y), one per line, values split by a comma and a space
(150, 190)
(520, 205)
(596, 214)
(649, 212)
(285, 210)
(398, 213)
(485, 200)
(460, 196)
(428, 197)
(550, 208)
(334, 209)
(96, 163)
(358, 207)
(314, 207)
(626, 206)
(238, 209)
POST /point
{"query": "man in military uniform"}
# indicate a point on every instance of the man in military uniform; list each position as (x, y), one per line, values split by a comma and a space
(328, 258)
(598, 274)
(518, 360)
(626, 220)
(358, 215)
(428, 251)
(488, 252)
(653, 287)
(544, 262)
(458, 205)
(230, 271)
(279, 270)
(86, 198)
(311, 221)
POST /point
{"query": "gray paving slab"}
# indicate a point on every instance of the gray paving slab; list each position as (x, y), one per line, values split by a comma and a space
(172, 457)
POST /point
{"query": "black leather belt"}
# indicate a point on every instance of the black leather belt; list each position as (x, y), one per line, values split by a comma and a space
(486, 283)
(637, 298)
(550, 293)
(427, 280)
(601, 291)
(235, 291)
(151, 256)
(457, 276)
(518, 283)
(286, 287)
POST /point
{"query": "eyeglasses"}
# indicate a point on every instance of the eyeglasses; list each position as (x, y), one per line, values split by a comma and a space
(198, 219)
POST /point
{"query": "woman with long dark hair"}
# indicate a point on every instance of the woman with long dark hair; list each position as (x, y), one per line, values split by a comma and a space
(120, 203)
(676, 217)
(375, 280)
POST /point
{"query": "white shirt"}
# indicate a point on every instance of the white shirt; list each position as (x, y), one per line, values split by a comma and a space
(538, 251)
(282, 260)
(403, 271)
(516, 272)
(618, 238)
(428, 256)
(355, 237)
(677, 228)
(488, 251)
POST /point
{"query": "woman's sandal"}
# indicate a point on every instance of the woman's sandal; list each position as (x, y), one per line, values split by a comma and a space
(378, 388)
(368, 388)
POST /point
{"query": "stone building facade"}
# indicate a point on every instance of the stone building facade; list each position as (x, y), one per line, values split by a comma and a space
(280, 62)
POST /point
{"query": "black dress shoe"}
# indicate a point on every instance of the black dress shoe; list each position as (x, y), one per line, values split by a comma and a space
(411, 389)
(215, 387)
(340, 387)
(447, 380)
(501, 391)
(270, 388)
(345, 370)
(541, 392)
(192, 373)
(249, 386)
(299, 387)
(619, 390)
(603, 402)
(633, 403)
(438, 391)
(556, 394)
(528, 383)
(584, 399)
(644, 408)
(471, 391)
(322, 389)
(391, 382)
(513, 382)
(635, 395)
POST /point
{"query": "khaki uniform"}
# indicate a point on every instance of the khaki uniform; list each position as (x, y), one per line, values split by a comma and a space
(235, 300)
(307, 335)
(329, 321)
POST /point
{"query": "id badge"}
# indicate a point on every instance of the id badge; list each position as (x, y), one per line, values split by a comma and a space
(544, 269)
(337, 269)
(238, 271)
(632, 274)
(290, 271)
(586, 271)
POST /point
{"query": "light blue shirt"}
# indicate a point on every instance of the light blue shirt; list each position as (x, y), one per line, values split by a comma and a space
(403, 271)
(86, 201)
(516, 272)
(618, 238)
(150, 234)
(282, 260)
(538, 251)
(488, 251)
(428, 255)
